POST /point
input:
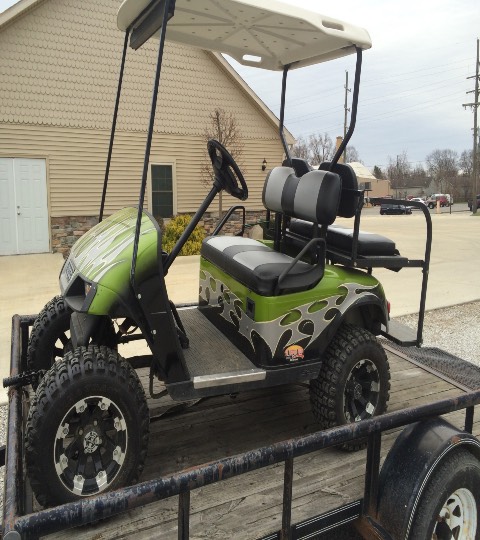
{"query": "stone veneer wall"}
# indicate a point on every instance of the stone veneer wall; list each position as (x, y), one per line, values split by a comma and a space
(234, 224)
(67, 230)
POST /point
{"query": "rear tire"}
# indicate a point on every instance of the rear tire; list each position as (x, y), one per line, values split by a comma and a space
(87, 428)
(450, 504)
(353, 383)
(50, 337)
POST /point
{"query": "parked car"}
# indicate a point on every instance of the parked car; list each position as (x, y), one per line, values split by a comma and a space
(470, 203)
(445, 200)
(394, 209)
(375, 201)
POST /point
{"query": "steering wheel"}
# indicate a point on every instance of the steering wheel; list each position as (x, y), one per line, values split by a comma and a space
(227, 172)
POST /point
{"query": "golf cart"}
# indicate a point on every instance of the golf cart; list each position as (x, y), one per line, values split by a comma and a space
(300, 306)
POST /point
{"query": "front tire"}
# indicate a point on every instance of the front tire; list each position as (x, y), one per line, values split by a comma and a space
(450, 505)
(353, 383)
(87, 428)
(50, 336)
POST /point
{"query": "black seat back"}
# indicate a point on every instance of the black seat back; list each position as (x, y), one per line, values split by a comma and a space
(350, 195)
(300, 166)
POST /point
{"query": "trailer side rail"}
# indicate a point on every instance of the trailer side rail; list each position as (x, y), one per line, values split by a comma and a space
(17, 524)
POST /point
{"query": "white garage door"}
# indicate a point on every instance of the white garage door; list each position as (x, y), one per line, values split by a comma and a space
(23, 206)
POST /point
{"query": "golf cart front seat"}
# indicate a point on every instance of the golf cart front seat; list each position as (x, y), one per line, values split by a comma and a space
(267, 272)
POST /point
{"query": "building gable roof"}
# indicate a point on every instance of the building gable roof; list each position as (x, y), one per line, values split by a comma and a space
(23, 7)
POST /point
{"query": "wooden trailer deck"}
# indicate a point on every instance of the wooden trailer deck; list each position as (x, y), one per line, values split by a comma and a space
(250, 506)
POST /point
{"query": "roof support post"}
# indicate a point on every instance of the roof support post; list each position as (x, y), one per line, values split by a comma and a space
(282, 115)
(168, 9)
(114, 125)
(353, 117)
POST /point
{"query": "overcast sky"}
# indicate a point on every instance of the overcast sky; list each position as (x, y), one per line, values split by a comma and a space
(414, 79)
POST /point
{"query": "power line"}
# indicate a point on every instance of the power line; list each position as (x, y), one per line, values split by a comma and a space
(369, 101)
(389, 80)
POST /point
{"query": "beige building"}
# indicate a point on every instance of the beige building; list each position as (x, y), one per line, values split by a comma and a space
(366, 180)
(59, 66)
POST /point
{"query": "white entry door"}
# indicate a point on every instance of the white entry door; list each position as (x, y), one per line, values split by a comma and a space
(23, 206)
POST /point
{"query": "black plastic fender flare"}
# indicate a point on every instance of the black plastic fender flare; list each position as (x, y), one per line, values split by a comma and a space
(82, 326)
(371, 301)
(410, 463)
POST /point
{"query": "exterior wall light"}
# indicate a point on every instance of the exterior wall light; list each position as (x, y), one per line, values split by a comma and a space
(264, 164)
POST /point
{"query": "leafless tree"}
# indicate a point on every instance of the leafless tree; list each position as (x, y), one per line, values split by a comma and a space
(399, 171)
(443, 168)
(222, 126)
(419, 177)
(301, 149)
(464, 179)
(321, 148)
(351, 155)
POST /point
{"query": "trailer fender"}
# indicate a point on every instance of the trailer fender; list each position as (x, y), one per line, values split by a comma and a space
(413, 460)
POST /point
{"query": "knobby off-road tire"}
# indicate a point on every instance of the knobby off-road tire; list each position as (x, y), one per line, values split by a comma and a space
(87, 428)
(449, 506)
(50, 336)
(353, 383)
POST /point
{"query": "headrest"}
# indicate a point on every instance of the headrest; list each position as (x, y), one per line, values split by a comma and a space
(349, 197)
(300, 166)
(313, 197)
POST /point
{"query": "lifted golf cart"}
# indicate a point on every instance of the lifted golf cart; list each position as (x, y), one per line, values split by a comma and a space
(300, 306)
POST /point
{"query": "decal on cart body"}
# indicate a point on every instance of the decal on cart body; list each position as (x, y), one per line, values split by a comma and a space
(294, 353)
(273, 331)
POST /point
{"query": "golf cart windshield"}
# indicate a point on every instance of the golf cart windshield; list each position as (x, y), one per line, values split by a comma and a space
(260, 33)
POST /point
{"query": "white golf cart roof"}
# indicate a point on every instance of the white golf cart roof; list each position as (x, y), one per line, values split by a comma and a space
(260, 33)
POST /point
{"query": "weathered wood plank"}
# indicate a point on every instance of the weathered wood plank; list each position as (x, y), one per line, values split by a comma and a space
(250, 505)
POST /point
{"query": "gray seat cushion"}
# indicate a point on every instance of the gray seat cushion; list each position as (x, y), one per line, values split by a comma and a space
(255, 265)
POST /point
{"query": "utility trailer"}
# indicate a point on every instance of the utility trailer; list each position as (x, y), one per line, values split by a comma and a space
(282, 479)
(300, 308)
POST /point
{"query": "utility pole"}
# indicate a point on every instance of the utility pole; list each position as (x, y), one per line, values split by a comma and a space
(347, 110)
(474, 106)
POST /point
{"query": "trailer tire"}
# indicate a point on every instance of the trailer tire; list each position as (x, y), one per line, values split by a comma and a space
(50, 335)
(87, 428)
(451, 499)
(355, 375)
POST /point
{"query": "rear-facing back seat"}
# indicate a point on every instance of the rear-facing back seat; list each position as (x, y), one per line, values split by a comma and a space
(315, 198)
(340, 239)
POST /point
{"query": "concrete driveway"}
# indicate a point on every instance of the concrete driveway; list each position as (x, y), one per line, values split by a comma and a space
(29, 281)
